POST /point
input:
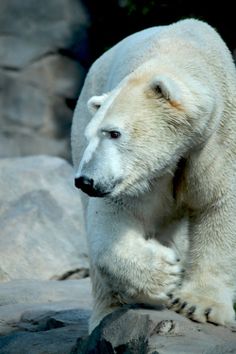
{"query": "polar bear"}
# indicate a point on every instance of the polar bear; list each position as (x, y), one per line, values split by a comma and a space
(154, 146)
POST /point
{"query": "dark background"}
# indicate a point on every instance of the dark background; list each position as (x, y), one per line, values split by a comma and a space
(113, 20)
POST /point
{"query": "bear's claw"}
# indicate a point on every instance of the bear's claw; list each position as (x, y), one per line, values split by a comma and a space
(202, 309)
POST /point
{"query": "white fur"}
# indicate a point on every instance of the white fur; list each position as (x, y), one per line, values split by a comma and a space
(136, 233)
(88, 154)
(95, 102)
(169, 88)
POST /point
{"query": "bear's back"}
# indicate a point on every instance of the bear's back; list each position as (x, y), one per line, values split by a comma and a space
(134, 50)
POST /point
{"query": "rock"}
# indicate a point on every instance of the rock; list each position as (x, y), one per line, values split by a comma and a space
(55, 341)
(155, 331)
(31, 96)
(28, 292)
(35, 115)
(28, 30)
(53, 73)
(18, 141)
(41, 51)
(34, 305)
(43, 316)
(121, 332)
(42, 227)
(51, 317)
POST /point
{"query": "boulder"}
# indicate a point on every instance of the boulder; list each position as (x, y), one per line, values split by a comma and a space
(35, 116)
(51, 317)
(32, 97)
(159, 331)
(29, 31)
(42, 226)
(21, 141)
(43, 316)
(42, 58)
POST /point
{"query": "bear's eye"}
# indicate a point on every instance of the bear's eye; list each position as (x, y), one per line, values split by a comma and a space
(113, 134)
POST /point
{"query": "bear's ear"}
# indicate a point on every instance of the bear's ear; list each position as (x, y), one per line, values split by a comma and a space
(168, 88)
(95, 102)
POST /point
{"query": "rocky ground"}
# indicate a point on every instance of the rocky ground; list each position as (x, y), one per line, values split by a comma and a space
(51, 317)
(43, 316)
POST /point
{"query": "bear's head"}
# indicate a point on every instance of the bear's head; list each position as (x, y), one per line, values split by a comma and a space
(141, 129)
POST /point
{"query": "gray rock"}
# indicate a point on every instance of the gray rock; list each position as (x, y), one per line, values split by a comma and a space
(34, 305)
(28, 292)
(28, 30)
(35, 118)
(55, 74)
(42, 230)
(153, 331)
(174, 333)
(18, 141)
(39, 317)
(121, 332)
(38, 84)
(23, 103)
(30, 96)
(55, 341)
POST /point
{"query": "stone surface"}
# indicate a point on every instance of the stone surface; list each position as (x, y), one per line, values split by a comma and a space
(51, 317)
(42, 227)
(121, 332)
(43, 316)
(31, 96)
(39, 80)
(55, 341)
(35, 117)
(28, 30)
(146, 331)
(20, 141)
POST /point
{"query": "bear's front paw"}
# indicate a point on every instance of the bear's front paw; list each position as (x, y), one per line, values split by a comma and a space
(203, 305)
(165, 276)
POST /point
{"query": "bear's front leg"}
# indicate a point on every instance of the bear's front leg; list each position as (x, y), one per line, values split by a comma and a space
(208, 290)
(126, 268)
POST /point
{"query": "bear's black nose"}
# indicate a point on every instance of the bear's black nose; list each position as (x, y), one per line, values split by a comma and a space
(84, 183)
(87, 186)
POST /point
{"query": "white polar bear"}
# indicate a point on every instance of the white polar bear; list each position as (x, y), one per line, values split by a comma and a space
(159, 149)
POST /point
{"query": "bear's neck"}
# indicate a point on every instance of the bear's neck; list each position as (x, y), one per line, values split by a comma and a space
(155, 208)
